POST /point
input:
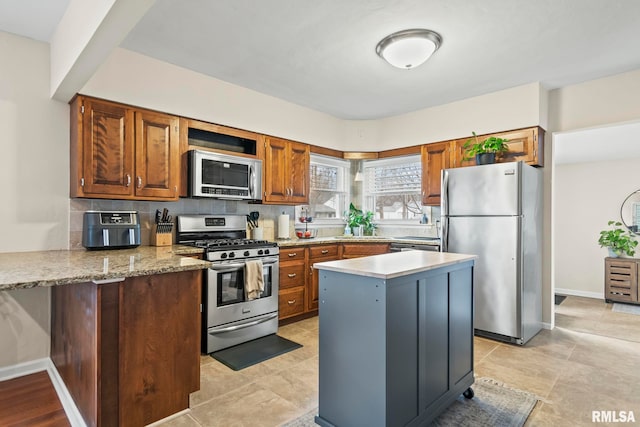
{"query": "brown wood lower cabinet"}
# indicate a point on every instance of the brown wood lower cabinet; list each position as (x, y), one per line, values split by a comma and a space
(356, 250)
(298, 295)
(621, 280)
(319, 253)
(129, 351)
(293, 282)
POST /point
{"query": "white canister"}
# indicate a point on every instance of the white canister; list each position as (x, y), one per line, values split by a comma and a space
(257, 234)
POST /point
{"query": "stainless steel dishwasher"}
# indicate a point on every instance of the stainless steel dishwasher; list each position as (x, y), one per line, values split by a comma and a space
(431, 244)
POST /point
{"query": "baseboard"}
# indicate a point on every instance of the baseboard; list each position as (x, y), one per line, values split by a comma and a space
(546, 325)
(45, 364)
(25, 368)
(586, 294)
(70, 408)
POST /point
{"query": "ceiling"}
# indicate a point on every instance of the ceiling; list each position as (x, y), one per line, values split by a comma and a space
(321, 54)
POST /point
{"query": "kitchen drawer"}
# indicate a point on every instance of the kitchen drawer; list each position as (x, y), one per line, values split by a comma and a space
(292, 275)
(323, 251)
(291, 302)
(354, 250)
(292, 254)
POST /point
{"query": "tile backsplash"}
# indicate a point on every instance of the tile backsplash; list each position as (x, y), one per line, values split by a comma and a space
(268, 217)
(268, 214)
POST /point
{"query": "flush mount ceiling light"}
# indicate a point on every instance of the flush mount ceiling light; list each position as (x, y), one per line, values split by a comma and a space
(408, 48)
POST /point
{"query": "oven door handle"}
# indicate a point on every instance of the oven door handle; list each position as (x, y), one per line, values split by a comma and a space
(226, 267)
(223, 329)
(236, 265)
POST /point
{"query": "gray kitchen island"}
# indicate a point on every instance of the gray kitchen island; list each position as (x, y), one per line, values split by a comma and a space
(396, 338)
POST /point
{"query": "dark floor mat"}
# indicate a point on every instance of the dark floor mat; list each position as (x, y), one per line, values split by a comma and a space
(560, 298)
(249, 353)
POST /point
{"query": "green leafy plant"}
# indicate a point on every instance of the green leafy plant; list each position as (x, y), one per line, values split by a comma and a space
(490, 145)
(356, 217)
(617, 239)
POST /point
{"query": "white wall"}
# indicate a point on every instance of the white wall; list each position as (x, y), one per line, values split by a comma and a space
(34, 171)
(599, 102)
(139, 80)
(586, 196)
(513, 108)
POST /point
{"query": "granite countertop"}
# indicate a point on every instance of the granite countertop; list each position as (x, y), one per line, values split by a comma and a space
(20, 270)
(346, 239)
(388, 266)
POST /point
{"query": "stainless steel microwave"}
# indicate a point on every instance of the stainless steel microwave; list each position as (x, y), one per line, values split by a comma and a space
(224, 176)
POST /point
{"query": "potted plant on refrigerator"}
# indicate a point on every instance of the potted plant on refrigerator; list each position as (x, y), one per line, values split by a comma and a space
(618, 240)
(484, 151)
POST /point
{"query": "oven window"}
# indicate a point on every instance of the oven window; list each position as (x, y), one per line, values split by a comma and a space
(267, 276)
(231, 287)
(224, 173)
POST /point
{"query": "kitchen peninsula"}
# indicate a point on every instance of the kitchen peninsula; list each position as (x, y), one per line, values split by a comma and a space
(396, 337)
(125, 327)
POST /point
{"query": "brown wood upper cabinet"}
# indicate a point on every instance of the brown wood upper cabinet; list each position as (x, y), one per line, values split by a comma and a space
(120, 152)
(524, 144)
(435, 158)
(286, 171)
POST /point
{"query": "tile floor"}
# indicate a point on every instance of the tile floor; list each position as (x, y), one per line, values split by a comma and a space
(590, 361)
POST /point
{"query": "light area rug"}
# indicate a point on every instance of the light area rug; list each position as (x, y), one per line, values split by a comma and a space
(626, 308)
(494, 404)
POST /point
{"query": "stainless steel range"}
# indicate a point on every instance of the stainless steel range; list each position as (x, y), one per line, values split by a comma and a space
(229, 316)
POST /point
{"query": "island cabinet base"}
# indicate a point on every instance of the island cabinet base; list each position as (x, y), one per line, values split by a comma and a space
(129, 351)
(394, 352)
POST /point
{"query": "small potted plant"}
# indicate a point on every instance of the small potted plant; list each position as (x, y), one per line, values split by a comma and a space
(484, 151)
(361, 223)
(618, 240)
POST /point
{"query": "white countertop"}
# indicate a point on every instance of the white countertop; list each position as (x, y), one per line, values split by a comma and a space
(388, 266)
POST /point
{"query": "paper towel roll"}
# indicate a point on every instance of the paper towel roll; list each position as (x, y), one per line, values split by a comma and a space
(283, 226)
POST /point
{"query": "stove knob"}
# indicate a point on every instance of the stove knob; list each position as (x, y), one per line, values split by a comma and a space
(223, 256)
(246, 253)
(232, 255)
(266, 251)
(260, 252)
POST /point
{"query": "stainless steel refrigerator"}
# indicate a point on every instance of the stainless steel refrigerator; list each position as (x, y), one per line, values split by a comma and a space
(495, 212)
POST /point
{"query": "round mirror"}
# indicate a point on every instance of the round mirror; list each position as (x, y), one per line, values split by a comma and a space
(630, 212)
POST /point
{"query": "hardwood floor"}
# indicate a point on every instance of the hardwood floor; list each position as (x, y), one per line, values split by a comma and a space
(30, 400)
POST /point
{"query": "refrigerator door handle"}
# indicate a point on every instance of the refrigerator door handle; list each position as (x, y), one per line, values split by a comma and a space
(444, 241)
(444, 193)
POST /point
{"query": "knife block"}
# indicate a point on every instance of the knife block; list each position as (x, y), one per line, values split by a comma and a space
(161, 234)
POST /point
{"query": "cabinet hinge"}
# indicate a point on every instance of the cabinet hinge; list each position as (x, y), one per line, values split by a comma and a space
(201, 308)
(82, 109)
(81, 182)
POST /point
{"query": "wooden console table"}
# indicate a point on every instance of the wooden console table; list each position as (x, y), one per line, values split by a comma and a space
(621, 280)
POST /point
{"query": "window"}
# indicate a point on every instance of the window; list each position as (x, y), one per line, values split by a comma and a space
(393, 188)
(328, 189)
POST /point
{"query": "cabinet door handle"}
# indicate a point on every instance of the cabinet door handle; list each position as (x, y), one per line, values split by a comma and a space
(128, 180)
(291, 301)
(324, 251)
(292, 275)
(139, 182)
(292, 254)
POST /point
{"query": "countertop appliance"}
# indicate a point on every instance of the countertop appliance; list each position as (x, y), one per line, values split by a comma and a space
(224, 176)
(495, 212)
(229, 317)
(110, 230)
